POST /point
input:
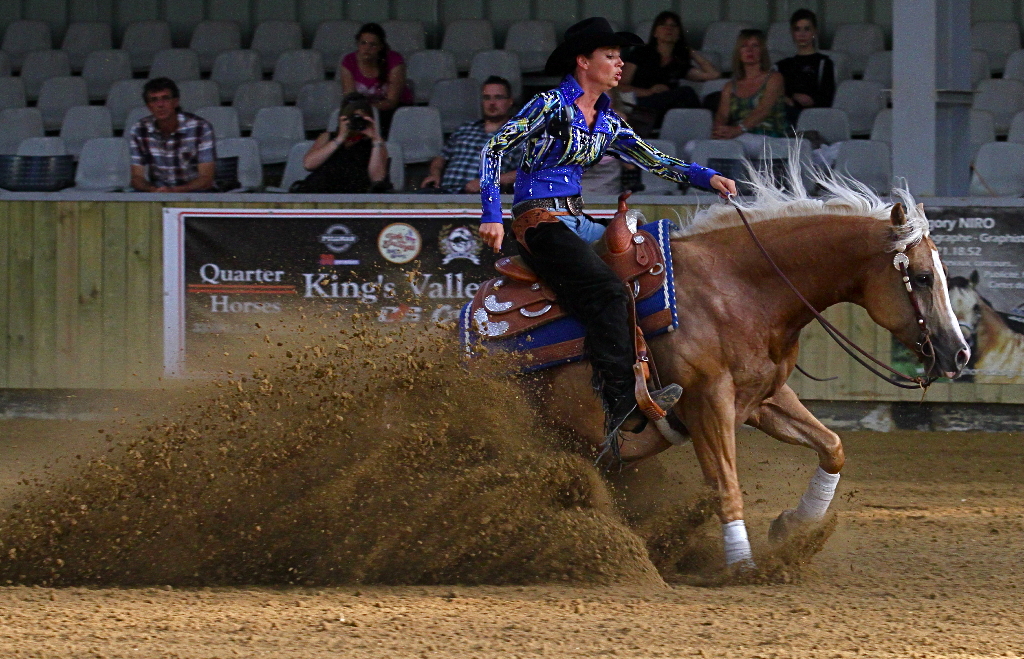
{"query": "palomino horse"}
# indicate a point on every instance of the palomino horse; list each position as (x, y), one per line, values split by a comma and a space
(999, 351)
(740, 325)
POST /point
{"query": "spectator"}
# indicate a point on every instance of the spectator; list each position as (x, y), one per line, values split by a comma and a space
(457, 169)
(377, 72)
(352, 160)
(172, 150)
(809, 76)
(654, 72)
(751, 107)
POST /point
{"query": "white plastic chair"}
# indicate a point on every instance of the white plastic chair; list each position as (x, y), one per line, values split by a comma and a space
(273, 38)
(998, 39)
(134, 116)
(223, 119)
(463, 38)
(102, 68)
(980, 69)
(293, 169)
(295, 68)
(211, 38)
(17, 124)
(83, 123)
(250, 169)
(983, 130)
(42, 146)
(24, 36)
(1014, 69)
(122, 97)
(59, 94)
(12, 93)
(83, 38)
(5, 65)
(396, 166)
(143, 40)
(41, 65)
(654, 184)
(234, 68)
(720, 37)
(316, 101)
(998, 170)
(867, 161)
(251, 97)
(198, 94)
(405, 37)
(425, 68)
(501, 63)
(1003, 98)
(532, 41)
(881, 129)
(780, 39)
(879, 68)
(833, 124)
(457, 101)
(859, 41)
(840, 64)
(684, 124)
(709, 87)
(334, 39)
(104, 165)
(862, 100)
(418, 131)
(276, 129)
(178, 64)
(726, 156)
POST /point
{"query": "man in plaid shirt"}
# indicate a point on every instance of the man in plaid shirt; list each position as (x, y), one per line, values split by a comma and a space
(172, 150)
(457, 169)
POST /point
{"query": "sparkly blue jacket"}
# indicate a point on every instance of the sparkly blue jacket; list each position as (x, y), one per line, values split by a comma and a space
(560, 147)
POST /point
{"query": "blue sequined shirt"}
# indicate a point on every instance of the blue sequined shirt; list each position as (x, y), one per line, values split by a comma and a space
(560, 146)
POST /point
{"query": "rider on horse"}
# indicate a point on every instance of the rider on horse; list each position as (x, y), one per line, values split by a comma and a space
(567, 130)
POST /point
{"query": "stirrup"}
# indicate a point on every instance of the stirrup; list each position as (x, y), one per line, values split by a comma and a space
(667, 396)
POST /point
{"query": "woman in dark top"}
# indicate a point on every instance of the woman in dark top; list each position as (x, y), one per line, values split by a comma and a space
(809, 76)
(352, 160)
(655, 70)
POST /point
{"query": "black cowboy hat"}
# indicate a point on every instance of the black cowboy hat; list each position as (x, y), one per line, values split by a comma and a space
(582, 38)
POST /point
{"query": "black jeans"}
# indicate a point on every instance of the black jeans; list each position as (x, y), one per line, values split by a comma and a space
(588, 289)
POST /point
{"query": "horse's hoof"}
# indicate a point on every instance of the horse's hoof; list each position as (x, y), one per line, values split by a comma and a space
(783, 526)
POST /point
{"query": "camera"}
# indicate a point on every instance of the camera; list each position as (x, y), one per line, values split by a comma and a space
(357, 123)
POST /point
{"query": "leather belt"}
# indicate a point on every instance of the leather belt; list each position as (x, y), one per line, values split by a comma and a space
(574, 205)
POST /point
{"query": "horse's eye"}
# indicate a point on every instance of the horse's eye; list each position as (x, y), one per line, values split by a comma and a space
(923, 279)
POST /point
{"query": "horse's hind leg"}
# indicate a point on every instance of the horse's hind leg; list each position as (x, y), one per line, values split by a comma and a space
(785, 418)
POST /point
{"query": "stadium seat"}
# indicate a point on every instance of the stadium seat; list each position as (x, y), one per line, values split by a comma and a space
(133, 117)
(463, 38)
(84, 122)
(720, 37)
(998, 39)
(832, 124)
(881, 129)
(980, 69)
(5, 65)
(178, 64)
(879, 68)
(84, 38)
(418, 131)
(780, 39)
(709, 87)
(295, 68)
(858, 41)
(59, 94)
(293, 169)
(23, 37)
(726, 156)
(868, 162)
(41, 65)
(143, 40)
(1014, 69)
(123, 96)
(983, 130)
(861, 99)
(425, 68)
(840, 64)
(682, 125)
(252, 97)
(223, 119)
(457, 101)
(276, 129)
(247, 150)
(12, 93)
(502, 63)
(396, 166)
(273, 38)
(233, 68)
(1016, 133)
(211, 38)
(42, 146)
(654, 184)
(998, 170)
(198, 94)
(104, 165)
(1003, 98)
(102, 68)
(405, 37)
(532, 41)
(316, 101)
(334, 39)
(17, 124)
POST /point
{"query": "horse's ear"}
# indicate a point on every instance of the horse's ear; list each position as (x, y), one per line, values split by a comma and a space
(974, 278)
(920, 208)
(897, 216)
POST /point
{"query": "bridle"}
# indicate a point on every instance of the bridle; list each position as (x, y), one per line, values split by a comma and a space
(901, 262)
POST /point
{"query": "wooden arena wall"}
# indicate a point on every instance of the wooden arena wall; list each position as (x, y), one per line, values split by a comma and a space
(81, 305)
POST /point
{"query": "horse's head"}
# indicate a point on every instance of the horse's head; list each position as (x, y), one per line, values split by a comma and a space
(937, 341)
(966, 303)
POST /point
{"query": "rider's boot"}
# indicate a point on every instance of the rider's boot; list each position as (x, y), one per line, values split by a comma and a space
(626, 416)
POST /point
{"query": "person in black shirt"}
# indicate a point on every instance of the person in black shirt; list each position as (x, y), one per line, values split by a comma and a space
(809, 76)
(353, 160)
(655, 70)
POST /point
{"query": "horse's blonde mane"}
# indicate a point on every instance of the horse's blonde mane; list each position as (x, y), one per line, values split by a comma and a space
(844, 197)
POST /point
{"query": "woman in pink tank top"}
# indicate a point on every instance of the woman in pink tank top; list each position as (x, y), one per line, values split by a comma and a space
(377, 72)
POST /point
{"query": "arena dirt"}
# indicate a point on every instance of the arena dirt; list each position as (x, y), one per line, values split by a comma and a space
(361, 496)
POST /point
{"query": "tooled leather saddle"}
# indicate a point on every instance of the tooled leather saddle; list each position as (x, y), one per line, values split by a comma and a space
(518, 303)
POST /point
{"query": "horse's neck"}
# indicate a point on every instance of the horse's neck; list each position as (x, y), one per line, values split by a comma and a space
(991, 330)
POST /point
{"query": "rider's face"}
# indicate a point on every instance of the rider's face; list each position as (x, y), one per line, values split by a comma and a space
(602, 67)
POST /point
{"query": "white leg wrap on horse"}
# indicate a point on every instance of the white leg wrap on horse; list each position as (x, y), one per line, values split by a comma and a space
(737, 544)
(815, 501)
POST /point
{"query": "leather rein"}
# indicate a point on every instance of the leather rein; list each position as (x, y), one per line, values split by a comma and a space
(898, 379)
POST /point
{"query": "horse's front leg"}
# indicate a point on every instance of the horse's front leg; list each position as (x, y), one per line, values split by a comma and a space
(710, 414)
(785, 418)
